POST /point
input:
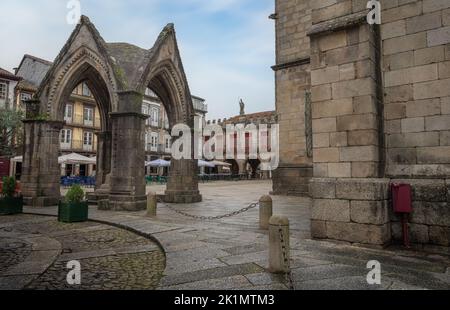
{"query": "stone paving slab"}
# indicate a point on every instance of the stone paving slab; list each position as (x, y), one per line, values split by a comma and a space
(214, 273)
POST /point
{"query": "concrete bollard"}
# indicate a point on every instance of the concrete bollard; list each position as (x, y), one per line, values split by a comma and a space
(265, 211)
(152, 204)
(279, 247)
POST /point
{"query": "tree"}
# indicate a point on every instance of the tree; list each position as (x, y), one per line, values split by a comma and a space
(11, 131)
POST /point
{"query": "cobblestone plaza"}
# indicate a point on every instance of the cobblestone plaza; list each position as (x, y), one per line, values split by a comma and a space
(185, 253)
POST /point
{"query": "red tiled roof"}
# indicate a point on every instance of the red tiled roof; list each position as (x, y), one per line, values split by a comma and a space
(258, 115)
(8, 75)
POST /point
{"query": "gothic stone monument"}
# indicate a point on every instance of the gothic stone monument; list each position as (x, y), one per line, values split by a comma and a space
(117, 74)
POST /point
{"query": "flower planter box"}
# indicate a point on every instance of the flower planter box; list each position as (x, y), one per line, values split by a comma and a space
(11, 205)
(73, 212)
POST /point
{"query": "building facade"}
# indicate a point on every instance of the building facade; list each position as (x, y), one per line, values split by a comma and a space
(158, 141)
(378, 113)
(247, 167)
(8, 83)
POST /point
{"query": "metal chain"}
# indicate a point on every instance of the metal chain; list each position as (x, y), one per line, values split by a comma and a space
(287, 263)
(211, 218)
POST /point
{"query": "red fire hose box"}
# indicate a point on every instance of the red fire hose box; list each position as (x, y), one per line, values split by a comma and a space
(402, 203)
(401, 198)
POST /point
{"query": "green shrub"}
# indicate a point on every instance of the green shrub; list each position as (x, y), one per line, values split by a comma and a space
(9, 186)
(75, 194)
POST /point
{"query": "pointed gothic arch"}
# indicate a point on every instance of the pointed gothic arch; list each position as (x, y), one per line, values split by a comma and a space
(117, 74)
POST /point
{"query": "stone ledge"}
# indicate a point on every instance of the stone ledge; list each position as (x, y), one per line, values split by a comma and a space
(338, 24)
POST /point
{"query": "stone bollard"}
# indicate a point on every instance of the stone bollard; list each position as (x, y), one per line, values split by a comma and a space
(265, 211)
(152, 204)
(279, 248)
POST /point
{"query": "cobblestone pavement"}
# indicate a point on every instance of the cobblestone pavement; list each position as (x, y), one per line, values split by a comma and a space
(232, 253)
(34, 252)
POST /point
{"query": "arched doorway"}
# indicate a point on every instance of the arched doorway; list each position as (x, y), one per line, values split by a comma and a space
(117, 74)
(253, 167)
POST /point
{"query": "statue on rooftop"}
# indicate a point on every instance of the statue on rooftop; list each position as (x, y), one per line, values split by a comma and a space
(242, 105)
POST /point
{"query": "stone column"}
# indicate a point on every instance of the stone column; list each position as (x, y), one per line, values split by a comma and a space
(40, 170)
(292, 80)
(182, 186)
(128, 155)
(348, 189)
(103, 171)
(103, 157)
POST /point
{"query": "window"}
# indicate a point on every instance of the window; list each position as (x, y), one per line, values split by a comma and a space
(3, 90)
(66, 138)
(154, 116)
(154, 142)
(24, 97)
(88, 116)
(167, 143)
(68, 113)
(145, 111)
(88, 141)
(86, 91)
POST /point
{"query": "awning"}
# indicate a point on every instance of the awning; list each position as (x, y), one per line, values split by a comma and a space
(17, 159)
(202, 163)
(75, 158)
(158, 163)
(220, 163)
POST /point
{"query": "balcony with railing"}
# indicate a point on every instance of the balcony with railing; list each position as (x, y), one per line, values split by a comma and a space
(78, 146)
(200, 106)
(79, 120)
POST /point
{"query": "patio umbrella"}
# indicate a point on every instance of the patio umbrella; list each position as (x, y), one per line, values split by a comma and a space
(220, 163)
(75, 158)
(17, 159)
(158, 163)
(202, 163)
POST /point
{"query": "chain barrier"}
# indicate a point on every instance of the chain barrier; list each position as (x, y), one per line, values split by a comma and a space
(287, 263)
(212, 218)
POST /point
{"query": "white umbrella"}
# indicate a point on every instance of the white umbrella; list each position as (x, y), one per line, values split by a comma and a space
(220, 163)
(158, 163)
(17, 159)
(75, 158)
(202, 163)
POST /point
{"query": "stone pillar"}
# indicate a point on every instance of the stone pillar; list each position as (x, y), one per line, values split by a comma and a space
(40, 169)
(103, 157)
(348, 190)
(103, 172)
(182, 186)
(128, 155)
(292, 81)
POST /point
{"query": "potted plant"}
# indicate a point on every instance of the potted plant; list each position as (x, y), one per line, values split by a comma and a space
(10, 202)
(74, 208)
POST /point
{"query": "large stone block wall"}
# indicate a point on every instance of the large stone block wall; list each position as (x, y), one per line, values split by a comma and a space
(416, 67)
(380, 114)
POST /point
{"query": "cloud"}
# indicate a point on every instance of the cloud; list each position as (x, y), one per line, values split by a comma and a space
(227, 45)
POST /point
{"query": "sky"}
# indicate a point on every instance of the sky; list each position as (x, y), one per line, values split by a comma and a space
(227, 46)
